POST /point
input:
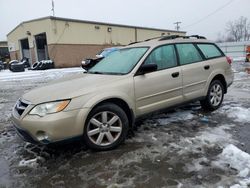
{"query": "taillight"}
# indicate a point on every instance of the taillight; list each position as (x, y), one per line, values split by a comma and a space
(229, 60)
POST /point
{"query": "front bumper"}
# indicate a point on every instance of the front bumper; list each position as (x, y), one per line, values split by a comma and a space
(50, 128)
(25, 135)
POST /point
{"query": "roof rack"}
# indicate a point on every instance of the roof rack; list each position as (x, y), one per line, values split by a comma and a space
(145, 40)
(171, 37)
(133, 43)
(198, 36)
(152, 38)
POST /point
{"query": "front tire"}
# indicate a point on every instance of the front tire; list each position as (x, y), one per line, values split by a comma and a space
(106, 127)
(214, 96)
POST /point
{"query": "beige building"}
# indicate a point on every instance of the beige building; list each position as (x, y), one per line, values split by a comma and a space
(68, 41)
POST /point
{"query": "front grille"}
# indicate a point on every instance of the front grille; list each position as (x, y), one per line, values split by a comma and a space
(21, 106)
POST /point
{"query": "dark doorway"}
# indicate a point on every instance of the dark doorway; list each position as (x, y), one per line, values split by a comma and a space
(25, 49)
(41, 47)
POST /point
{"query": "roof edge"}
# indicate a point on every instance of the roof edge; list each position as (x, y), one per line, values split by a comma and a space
(37, 19)
(94, 22)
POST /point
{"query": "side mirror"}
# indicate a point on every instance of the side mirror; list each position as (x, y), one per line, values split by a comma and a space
(147, 68)
(86, 63)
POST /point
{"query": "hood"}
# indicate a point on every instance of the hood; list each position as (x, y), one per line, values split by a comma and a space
(70, 87)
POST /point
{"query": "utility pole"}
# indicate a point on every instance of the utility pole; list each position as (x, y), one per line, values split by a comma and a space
(53, 7)
(177, 25)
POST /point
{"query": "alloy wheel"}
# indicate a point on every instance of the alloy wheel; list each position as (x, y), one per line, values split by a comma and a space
(216, 94)
(104, 128)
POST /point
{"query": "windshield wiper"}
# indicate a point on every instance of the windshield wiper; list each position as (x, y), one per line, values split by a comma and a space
(107, 73)
(114, 73)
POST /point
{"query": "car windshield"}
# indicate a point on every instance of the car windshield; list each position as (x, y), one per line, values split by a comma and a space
(119, 62)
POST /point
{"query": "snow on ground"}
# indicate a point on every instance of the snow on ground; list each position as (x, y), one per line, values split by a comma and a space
(28, 163)
(236, 113)
(237, 159)
(240, 67)
(7, 75)
(179, 116)
(185, 147)
(241, 75)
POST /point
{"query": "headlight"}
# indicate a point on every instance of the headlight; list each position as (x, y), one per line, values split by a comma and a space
(49, 108)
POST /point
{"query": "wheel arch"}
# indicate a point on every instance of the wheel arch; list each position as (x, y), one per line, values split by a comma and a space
(122, 104)
(222, 79)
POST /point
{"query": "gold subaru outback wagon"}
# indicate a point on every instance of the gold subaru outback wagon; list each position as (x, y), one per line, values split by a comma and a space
(101, 105)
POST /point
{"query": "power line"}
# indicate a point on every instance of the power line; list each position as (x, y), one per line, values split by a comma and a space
(211, 14)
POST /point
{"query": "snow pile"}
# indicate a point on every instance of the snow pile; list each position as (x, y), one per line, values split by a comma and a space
(210, 137)
(237, 159)
(215, 135)
(237, 113)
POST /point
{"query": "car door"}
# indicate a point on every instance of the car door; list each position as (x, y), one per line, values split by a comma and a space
(161, 88)
(194, 70)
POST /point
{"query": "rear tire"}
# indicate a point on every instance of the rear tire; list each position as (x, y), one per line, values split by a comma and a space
(215, 96)
(106, 127)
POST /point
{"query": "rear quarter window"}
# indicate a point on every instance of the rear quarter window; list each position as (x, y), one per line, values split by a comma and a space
(209, 50)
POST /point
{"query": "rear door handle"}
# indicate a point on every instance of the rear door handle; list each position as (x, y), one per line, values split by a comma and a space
(206, 67)
(175, 74)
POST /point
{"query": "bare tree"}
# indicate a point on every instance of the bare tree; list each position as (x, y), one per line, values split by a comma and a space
(238, 30)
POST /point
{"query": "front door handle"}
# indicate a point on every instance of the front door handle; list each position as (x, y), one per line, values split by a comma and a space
(175, 74)
(206, 67)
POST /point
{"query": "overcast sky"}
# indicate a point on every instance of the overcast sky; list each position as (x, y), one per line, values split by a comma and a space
(203, 17)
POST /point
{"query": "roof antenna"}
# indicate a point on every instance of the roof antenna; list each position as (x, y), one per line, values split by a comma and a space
(53, 7)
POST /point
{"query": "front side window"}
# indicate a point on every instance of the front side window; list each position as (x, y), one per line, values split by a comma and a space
(188, 54)
(163, 56)
(119, 62)
(209, 50)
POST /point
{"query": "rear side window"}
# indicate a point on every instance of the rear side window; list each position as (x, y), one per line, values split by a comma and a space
(188, 54)
(163, 56)
(209, 50)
